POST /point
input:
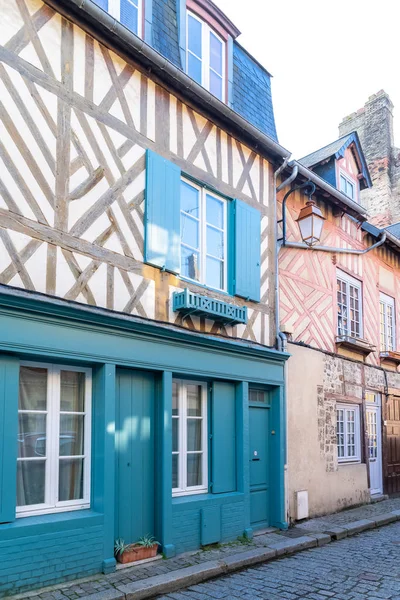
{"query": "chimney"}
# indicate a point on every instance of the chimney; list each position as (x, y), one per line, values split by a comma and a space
(374, 125)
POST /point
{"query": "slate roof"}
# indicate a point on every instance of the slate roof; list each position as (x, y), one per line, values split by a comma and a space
(337, 149)
(165, 30)
(251, 91)
(323, 153)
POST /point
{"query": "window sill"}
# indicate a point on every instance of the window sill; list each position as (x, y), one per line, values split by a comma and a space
(201, 500)
(349, 462)
(355, 344)
(41, 524)
(390, 356)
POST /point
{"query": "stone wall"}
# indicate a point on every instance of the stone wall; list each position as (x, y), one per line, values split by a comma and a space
(374, 125)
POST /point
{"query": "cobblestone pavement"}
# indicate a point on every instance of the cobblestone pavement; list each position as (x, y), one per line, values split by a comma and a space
(103, 583)
(367, 511)
(363, 567)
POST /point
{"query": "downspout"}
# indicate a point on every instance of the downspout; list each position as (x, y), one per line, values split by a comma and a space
(281, 340)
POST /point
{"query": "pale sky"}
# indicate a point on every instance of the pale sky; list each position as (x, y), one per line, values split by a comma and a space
(326, 57)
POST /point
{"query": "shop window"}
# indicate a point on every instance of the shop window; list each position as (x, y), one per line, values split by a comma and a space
(348, 433)
(53, 464)
(189, 438)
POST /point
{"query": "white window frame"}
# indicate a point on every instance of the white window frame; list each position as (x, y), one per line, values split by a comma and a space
(205, 58)
(202, 219)
(183, 489)
(348, 280)
(349, 181)
(386, 302)
(51, 504)
(114, 9)
(357, 433)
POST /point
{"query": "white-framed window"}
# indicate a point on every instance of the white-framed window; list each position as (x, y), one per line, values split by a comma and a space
(205, 56)
(348, 433)
(387, 323)
(203, 236)
(54, 437)
(349, 302)
(128, 12)
(189, 438)
(347, 186)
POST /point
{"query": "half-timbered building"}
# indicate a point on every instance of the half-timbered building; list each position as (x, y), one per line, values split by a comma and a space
(339, 312)
(137, 275)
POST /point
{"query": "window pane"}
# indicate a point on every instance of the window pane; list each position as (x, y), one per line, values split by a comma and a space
(189, 231)
(175, 405)
(194, 36)
(32, 388)
(31, 435)
(102, 3)
(215, 84)
(215, 53)
(342, 184)
(215, 273)
(194, 469)
(72, 391)
(215, 212)
(129, 15)
(190, 263)
(175, 435)
(194, 68)
(30, 482)
(70, 485)
(189, 199)
(71, 435)
(175, 475)
(194, 427)
(215, 242)
(193, 400)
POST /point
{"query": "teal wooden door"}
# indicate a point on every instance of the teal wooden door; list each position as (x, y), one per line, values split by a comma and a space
(134, 438)
(259, 465)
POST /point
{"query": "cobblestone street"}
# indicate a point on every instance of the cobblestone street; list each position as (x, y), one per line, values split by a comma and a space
(362, 567)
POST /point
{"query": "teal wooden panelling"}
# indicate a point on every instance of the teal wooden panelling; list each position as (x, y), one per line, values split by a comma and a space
(103, 457)
(135, 457)
(223, 453)
(9, 377)
(259, 459)
(210, 525)
(247, 275)
(162, 213)
(277, 450)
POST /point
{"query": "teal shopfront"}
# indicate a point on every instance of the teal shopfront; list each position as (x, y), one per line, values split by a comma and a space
(117, 427)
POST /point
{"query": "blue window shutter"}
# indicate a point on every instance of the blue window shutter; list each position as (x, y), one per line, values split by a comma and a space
(247, 238)
(9, 377)
(223, 446)
(162, 213)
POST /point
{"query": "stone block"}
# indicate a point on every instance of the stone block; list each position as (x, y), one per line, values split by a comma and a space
(337, 533)
(322, 538)
(290, 546)
(358, 526)
(246, 559)
(385, 519)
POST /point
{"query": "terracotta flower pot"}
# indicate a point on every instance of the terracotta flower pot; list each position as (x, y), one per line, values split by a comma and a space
(135, 553)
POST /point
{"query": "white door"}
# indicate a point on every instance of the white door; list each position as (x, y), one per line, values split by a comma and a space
(374, 442)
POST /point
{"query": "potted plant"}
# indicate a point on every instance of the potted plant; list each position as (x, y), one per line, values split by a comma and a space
(145, 547)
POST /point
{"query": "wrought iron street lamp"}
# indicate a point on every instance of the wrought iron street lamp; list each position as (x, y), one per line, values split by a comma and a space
(310, 222)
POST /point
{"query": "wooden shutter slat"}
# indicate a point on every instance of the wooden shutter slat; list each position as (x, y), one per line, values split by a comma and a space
(162, 213)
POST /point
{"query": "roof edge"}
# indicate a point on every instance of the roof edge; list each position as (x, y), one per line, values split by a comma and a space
(108, 30)
(354, 207)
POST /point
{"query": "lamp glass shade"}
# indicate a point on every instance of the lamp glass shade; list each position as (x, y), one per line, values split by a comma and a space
(310, 221)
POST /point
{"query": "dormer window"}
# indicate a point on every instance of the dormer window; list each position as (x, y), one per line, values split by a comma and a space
(205, 56)
(347, 186)
(128, 12)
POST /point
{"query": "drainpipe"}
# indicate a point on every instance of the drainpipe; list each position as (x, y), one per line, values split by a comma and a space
(281, 340)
